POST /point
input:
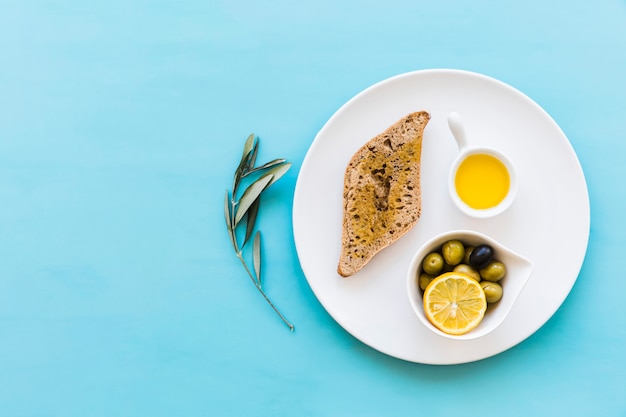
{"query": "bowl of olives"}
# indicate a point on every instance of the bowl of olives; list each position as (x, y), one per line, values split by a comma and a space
(501, 273)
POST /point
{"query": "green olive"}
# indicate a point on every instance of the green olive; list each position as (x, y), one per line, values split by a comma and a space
(467, 270)
(453, 252)
(433, 263)
(493, 291)
(468, 252)
(424, 280)
(494, 271)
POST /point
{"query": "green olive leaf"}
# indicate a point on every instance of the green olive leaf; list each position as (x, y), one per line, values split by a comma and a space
(266, 166)
(229, 225)
(256, 256)
(252, 159)
(227, 211)
(247, 147)
(244, 165)
(251, 220)
(278, 171)
(251, 193)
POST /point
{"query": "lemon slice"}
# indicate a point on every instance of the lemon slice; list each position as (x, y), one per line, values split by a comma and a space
(454, 303)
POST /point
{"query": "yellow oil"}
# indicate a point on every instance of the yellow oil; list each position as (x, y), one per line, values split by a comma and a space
(482, 181)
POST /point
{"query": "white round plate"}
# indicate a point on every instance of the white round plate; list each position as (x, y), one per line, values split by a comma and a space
(552, 206)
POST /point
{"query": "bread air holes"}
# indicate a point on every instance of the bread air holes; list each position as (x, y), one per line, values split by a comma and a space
(382, 185)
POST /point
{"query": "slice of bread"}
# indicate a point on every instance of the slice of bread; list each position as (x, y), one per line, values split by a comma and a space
(382, 193)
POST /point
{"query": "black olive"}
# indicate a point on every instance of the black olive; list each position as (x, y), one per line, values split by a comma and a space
(481, 256)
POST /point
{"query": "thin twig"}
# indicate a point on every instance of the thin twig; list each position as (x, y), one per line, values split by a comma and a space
(258, 287)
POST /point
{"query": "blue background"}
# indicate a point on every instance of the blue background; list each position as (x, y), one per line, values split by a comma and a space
(120, 125)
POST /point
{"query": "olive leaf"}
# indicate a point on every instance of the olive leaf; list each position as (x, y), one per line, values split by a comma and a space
(251, 194)
(265, 166)
(248, 205)
(247, 161)
(251, 220)
(256, 256)
(252, 158)
(228, 216)
(277, 172)
(248, 145)
(227, 211)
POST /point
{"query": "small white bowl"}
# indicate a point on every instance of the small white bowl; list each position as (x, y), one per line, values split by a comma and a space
(519, 270)
(489, 212)
(466, 149)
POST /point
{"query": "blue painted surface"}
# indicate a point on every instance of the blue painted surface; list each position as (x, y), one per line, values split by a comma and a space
(120, 125)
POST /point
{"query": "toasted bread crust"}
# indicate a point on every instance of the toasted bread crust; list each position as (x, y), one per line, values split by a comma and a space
(382, 192)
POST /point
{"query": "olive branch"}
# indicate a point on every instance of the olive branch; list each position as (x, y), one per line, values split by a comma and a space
(240, 206)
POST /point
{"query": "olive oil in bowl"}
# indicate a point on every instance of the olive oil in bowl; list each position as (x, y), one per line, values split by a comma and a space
(482, 181)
